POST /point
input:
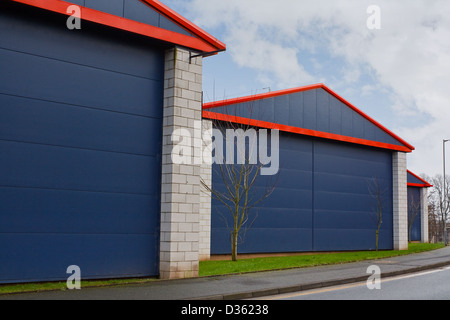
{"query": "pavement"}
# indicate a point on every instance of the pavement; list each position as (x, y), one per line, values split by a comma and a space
(252, 285)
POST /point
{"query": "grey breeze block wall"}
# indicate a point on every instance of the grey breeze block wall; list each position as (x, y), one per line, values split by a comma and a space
(205, 195)
(400, 200)
(424, 213)
(180, 193)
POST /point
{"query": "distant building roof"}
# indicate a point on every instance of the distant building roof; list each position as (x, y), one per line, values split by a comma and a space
(416, 181)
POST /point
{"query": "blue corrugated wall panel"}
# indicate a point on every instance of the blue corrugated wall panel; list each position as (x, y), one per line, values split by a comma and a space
(314, 109)
(323, 111)
(284, 221)
(414, 212)
(114, 7)
(309, 110)
(343, 206)
(134, 10)
(80, 149)
(78, 2)
(413, 179)
(296, 107)
(321, 201)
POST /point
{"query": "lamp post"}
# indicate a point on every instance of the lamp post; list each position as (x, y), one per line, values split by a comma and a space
(445, 197)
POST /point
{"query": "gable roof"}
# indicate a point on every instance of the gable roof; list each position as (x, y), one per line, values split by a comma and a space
(112, 14)
(313, 110)
(416, 181)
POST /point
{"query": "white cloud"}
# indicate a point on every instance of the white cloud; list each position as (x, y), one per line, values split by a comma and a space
(284, 40)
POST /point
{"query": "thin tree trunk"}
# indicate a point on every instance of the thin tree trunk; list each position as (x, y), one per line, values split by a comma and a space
(234, 243)
(376, 239)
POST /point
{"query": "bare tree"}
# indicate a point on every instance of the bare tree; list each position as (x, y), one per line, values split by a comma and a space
(239, 176)
(434, 226)
(441, 199)
(378, 193)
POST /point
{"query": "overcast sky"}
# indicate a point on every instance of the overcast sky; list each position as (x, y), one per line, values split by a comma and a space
(399, 74)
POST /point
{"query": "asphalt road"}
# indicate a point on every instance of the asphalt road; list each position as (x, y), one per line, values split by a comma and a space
(430, 285)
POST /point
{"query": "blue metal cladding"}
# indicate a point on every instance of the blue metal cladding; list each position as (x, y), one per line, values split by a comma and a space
(314, 109)
(344, 197)
(134, 10)
(80, 150)
(284, 220)
(414, 213)
(413, 179)
(321, 201)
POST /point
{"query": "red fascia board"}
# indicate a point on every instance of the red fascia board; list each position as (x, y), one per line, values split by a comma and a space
(110, 20)
(185, 23)
(424, 185)
(418, 185)
(273, 94)
(313, 133)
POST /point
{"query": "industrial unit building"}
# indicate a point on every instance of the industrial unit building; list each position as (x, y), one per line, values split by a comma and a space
(330, 154)
(87, 178)
(85, 122)
(418, 207)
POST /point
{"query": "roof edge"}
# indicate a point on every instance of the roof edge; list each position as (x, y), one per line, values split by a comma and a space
(203, 42)
(424, 185)
(307, 132)
(185, 23)
(273, 94)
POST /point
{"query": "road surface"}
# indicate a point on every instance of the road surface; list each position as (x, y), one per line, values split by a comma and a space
(430, 285)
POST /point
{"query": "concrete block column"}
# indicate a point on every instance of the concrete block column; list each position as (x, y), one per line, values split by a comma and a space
(424, 214)
(180, 193)
(400, 200)
(205, 195)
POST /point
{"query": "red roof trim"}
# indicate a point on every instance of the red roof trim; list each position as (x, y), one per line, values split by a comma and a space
(217, 104)
(185, 23)
(307, 132)
(418, 185)
(424, 185)
(201, 44)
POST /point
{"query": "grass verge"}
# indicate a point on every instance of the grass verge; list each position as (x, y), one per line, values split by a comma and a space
(212, 268)
(52, 286)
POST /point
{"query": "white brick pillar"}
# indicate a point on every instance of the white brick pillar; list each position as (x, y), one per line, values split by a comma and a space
(180, 193)
(205, 195)
(424, 214)
(400, 200)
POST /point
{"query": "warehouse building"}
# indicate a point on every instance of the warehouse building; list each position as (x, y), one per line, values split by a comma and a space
(90, 92)
(418, 208)
(330, 156)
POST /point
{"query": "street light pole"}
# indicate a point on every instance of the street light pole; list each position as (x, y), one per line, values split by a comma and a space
(445, 197)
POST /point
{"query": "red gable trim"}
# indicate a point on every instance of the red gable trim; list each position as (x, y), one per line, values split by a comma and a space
(307, 132)
(217, 104)
(201, 44)
(424, 185)
(188, 25)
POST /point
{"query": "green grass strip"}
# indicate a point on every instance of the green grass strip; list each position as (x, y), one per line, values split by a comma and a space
(212, 268)
(52, 286)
